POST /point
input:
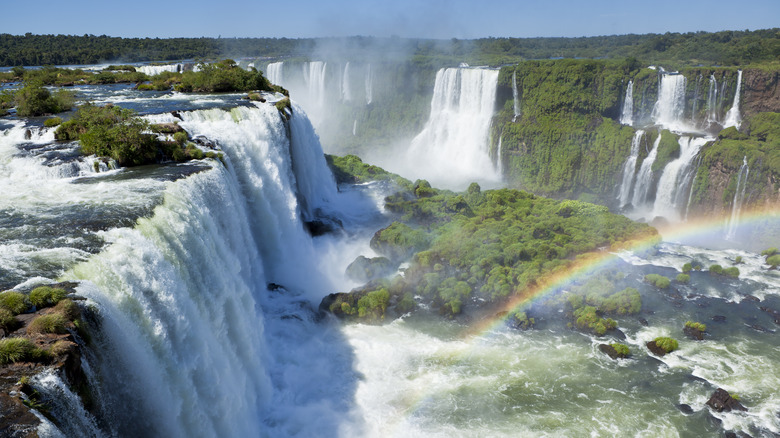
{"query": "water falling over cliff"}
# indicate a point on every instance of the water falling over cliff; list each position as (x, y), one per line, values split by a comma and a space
(629, 170)
(275, 73)
(515, 95)
(369, 85)
(670, 107)
(675, 182)
(627, 114)
(733, 117)
(739, 198)
(644, 178)
(346, 90)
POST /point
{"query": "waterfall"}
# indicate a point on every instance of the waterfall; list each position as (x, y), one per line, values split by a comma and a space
(346, 92)
(629, 169)
(676, 179)
(453, 148)
(644, 178)
(499, 157)
(690, 192)
(670, 106)
(515, 95)
(733, 118)
(275, 74)
(369, 85)
(627, 115)
(191, 341)
(712, 102)
(153, 70)
(354, 128)
(696, 93)
(314, 77)
(739, 198)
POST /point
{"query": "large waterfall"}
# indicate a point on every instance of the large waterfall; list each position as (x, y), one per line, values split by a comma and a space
(733, 117)
(515, 95)
(674, 184)
(314, 77)
(452, 148)
(670, 106)
(629, 169)
(627, 113)
(275, 73)
(712, 102)
(644, 179)
(153, 70)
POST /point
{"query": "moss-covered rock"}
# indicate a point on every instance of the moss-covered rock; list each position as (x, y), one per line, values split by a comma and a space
(364, 269)
(662, 345)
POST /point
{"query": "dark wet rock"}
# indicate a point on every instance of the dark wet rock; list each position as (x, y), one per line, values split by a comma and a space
(364, 269)
(27, 134)
(618, 334)
(177, 115)
(694, 333)
(274, 286)
(167, 128)
(611, 352)
(693, 378)
(719, 318)
(775, 314)
(204, 142)
(722, 401)
(752, 298)
(760, 328)
(685, 409)
(655, 349)
(320, 227)
(643, 322)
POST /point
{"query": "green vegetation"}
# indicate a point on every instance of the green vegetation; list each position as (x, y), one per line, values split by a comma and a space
(224, 76)
(666, 344)
(732, 272)
(8, 321)
(15, 302)
(34, 100)
(587, 317)
(687, 268)
(51, 323)
(668, 150)
(20, 350)
(716, 269)
(52, 122)
(738, 260)
(770, 252)
(520, 320)
(658, 281)
(399, 241)
(773, 261)
(365, 269)
(68, 309)
(45, 296)
(696, 326)
(683, 278)
(621, 350)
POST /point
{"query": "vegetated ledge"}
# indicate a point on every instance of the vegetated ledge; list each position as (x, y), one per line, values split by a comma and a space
(469, 253)
(40, 330)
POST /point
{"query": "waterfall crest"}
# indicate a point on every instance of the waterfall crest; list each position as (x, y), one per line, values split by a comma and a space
(627, 114)
(669, 109)
(733, 117)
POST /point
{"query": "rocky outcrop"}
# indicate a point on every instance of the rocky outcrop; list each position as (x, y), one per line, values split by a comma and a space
(760, 91)
(722, 401)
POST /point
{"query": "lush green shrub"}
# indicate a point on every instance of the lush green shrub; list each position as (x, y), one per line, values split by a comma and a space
(667, 344)
(769, 251)
(15, 302)
(8, 321)
(35, 100)
(626, 302)
(51, 323)
(621, 350)
(658, 281)
(696, 325)
(224, 76)
(374, 304)
(773, 261)
(738, 260)
(587, 317)
(683, 278)
(60, 348)
(520, 320)
(716, 269)
(687, 268)
(180, 137)
(52, 122)
(68, 309)
(45, 296)
(732, 272)
(19, 350)
(284, 104)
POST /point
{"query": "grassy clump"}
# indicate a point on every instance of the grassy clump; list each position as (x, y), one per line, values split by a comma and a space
(668, 150)
(687, 268)
(224, 76)
(519, 319)
(45, 296)
(35, 100)
(696, 326)
(683, 278)
(68, 309)
(8, 321)
(716, 269)
(732, 272)
(51, 323)
(20, 350)
(52, 122)
(658, 281)
(15, 302)
(773, 261)
(769, 252)
(621, 350)
(588, 318)
(667, 344)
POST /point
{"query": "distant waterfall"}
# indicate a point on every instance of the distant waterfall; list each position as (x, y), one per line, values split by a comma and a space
(515, 95)
(676, 180)
(452, 148)
(314, 77)
(354, 128)
(627, 115)
(369, 85)
(739, 198)
(346, 91)
(696, 93)
(644, 178)
(629, 169)
(670, 107)
(274, 72)
(695, 172)
(152, 70)
(499, 160)
(733, 118)
(712, 102)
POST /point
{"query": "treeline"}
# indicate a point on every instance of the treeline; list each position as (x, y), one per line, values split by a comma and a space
(721, 48)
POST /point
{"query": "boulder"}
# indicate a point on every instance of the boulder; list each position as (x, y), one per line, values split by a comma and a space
(722, 401)
(611, 352)
(694, 333)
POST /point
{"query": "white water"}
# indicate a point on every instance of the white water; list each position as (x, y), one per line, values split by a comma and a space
(627, 114)
(499, 156)
(629, 169)
(314, 77)
(515, 95)
(644, 178)
(346, 90)
(739, 198)
(275, 73)
(452, 149)
(354, 128)
(153, 70)
(733, 117)
(669, 109)
(712, 102)
(676, 180)
(369, 85)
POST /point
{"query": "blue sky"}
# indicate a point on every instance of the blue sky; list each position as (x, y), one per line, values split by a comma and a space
(405, 18)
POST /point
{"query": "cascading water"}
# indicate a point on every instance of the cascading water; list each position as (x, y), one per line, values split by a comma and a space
(275, 73)
(712, 102)
(629, 169)
(515, 96)
(346, 91)
(627, 114)
(153, 70)
(733, 117)
(499, 156)
(452, 148)
(670, 107)
(644, 179)
(696, 93)
(314, 77)
(354, 128)
(676, 179)
(369, 85)
(739, 198)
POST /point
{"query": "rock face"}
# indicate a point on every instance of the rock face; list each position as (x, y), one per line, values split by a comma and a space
(722, 401)
(761, 91)
(611, 351)
(364, 269)
(655, 349)
(694, 333)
